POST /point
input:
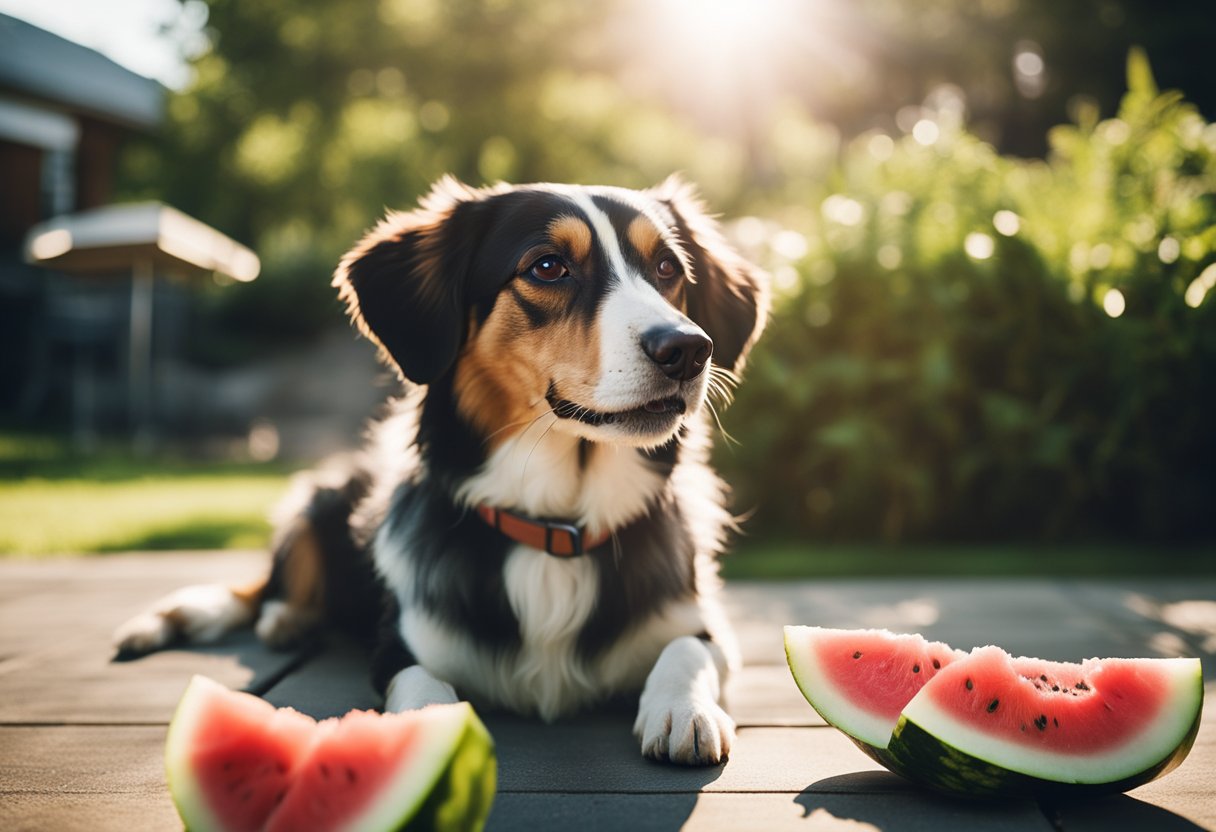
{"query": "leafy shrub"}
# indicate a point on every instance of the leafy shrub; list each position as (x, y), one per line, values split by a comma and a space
(978, 346)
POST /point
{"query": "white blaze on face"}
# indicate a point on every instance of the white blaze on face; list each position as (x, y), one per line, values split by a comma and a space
(632, 307)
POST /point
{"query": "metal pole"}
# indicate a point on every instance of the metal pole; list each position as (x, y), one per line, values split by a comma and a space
(139, 366)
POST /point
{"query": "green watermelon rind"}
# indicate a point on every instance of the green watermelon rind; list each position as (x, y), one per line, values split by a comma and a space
(453, 745)
(930, 761)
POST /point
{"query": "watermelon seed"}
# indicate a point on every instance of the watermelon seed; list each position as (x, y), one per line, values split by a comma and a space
(1055, 688)
(1041, 722)
(351, 775)
(937, 665)
(1082, 686)
(969, 685)
(857, 654)
(992, 705)
(1023, 727)
(1055, 722)
(916, 668)
(1043, 678)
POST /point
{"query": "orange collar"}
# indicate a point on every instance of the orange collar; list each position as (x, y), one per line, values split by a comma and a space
(563, 540)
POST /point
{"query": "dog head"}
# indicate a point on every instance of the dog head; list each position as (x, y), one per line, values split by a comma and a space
(612, 309)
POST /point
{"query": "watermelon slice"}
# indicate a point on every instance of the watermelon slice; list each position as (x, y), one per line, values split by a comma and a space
(236, 763)
(988, 724)
(860, 680)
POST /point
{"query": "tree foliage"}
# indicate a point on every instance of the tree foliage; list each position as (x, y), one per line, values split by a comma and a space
(981, 346)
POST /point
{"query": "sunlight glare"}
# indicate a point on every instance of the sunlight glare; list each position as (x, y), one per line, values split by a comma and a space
(726, 26)
(1113, 303)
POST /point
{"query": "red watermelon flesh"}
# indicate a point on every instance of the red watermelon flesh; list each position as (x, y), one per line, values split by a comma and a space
(1117, 722)
(860, 680)
(1071, 708)
(251, 754)
(236, 763)
(348, 764)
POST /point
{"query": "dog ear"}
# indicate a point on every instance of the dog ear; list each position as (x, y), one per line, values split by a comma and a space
(727, 296)
(406, 284)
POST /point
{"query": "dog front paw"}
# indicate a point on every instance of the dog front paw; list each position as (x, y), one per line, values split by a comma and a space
(691, 732)
(196, 614)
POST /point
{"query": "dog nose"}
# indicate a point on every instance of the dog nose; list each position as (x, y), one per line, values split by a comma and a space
(681, 352)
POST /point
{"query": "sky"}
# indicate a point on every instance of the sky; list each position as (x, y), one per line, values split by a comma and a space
(126, 31)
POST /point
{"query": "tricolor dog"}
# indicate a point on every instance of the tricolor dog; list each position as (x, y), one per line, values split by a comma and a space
(534, 525)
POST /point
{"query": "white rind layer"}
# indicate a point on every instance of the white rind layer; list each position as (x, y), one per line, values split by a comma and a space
(1159, 737)
(825, 695)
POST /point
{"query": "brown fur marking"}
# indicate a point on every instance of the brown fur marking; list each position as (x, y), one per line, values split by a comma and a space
(644, 236)
(572, 234)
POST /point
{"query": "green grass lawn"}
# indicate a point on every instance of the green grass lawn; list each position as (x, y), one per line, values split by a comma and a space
(55, 502)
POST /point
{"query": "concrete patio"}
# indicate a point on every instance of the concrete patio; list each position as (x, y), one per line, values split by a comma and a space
(81, 736)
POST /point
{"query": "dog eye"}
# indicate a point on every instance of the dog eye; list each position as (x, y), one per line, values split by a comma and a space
(668, 268)
(548, 269)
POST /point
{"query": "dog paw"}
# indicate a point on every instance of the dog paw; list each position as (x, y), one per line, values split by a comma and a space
(691, 732)
(197, 614)
(415, 688)
(281, 626)
(145, 633)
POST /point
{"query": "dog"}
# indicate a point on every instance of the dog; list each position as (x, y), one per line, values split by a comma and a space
(534, 523)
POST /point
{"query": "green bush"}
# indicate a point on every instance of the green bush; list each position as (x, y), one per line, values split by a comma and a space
(986, 347)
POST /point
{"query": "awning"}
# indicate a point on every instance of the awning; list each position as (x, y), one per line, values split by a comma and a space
(112, 239)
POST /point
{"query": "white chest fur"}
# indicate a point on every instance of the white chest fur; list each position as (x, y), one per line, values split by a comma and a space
(541, 472)
(552, 599)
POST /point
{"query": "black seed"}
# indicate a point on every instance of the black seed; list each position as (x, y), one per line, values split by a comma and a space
(351, 775)
(857, 655)
(1043, 678)
(1082, 686)
(1055, 722)
(1037, 686)
(1041, 722)
(916, 668)
(937, 665)
(1055, 687)
(992, 705)
(969, 685)
(1023, 727)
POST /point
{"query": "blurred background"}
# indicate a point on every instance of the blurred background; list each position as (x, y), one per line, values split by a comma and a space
(991, 226)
